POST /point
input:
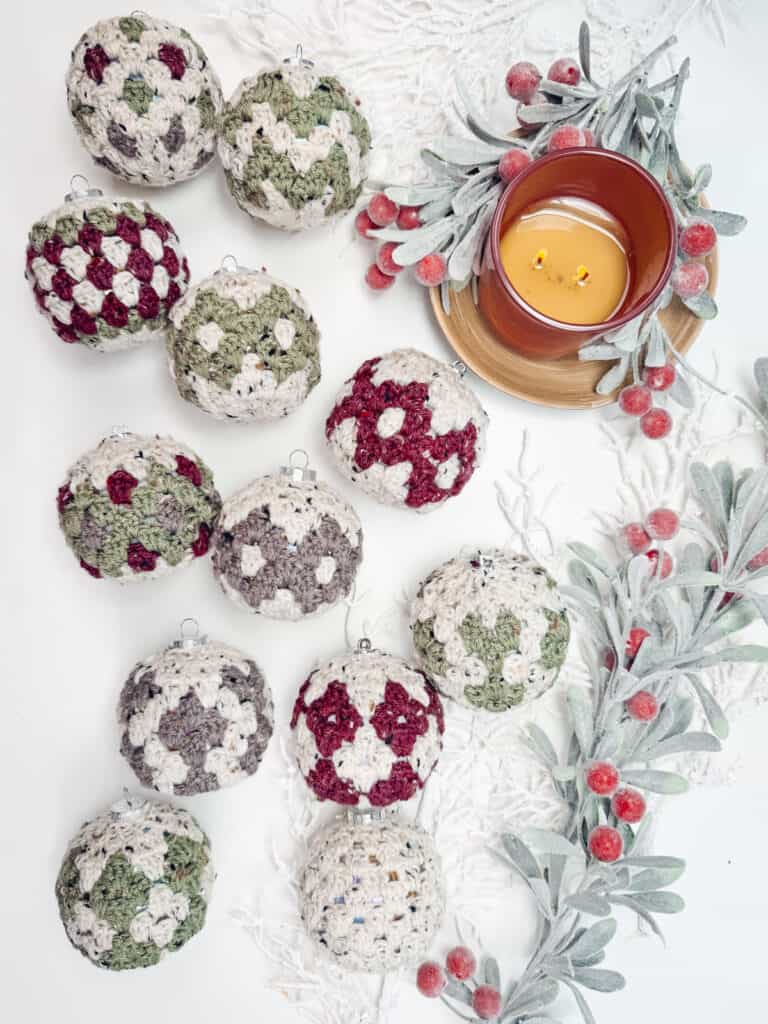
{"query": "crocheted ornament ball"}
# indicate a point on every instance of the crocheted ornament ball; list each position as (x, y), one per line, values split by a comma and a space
(407, 430)
(490, 629)
(369, 729)
(371, 894)
(136, 507)
(144, 99)
(196, 717)
(135, 884)
(244, 346)
(287, 548)
(294, 146)
(105, 272)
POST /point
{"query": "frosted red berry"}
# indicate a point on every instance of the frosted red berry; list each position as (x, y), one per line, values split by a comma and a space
(567, 136)
(382, 210)
(635, 400)
(430, 270)
(659, 378)
(409, 217)
(565, 71)
(384, 260)
(656, 423)
(636, 538)
(522, 81)
(364, 224)
(759, 561)
(513, 161)
(430, 979)
(605, 843)
(461, 963)
(698, 238)
(634, 641)
(486, 1002)
(689, 279)
(628, 805)
(378, 280)
(662, 523)
(602, 778)
(609, 659)
(642, 706)
(661, 568)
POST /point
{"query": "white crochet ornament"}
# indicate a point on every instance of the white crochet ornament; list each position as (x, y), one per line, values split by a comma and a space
(369, 729)
(371, 893)
(144, 99)
(407, 430)
(243, 346)
(490, 629)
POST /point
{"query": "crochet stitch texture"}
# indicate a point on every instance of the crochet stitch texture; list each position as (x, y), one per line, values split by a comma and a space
(371, 894)
(294, 147)
(407, 430)
(144, 99)
(135, 884)
(105, 272)
(195, 718)
(287, 548)
(368, 729)
(243, 346)
(490, 629)
(136, 507)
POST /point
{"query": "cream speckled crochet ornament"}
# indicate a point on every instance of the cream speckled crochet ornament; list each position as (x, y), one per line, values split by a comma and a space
(407, 430)
(244, 346)
(294, 146)
(490, 629)
(144, 99)
(369, 729)
(196, 717)
(136, 507)
(287, 546)
(135, 884)
(371, 893)
(105, 272)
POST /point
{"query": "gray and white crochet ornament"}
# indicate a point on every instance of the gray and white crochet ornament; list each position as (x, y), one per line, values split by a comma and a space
(196, 717)
(368, 727)
(243, 345)
(407, 430)
(490, 629)
(287, 546)
(135, 884)
(144, 99)
(371, 893)
(294, 146)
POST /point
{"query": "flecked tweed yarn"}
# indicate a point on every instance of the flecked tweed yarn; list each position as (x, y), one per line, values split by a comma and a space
(369, 729)
(287, 548)
(407, 430)
(244, 346)
(490, 629)
(105, 272)
(135, 884)
(136, 507)
(371, 893)
(144, 99)
(196, 717)
(294, 146)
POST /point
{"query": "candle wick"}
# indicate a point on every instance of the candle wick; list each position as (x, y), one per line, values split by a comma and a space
(582, 275)
(540, 259)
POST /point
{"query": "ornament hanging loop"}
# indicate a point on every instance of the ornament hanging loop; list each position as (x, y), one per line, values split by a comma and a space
(364, 645)
(118, 430)
(365, 816)
(299, 59)
(189, 634)
(79, 188)
(229, 264)
(298, 466)
(460, 367)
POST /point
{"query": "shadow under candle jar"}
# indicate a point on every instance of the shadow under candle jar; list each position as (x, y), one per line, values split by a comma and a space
(593, 199)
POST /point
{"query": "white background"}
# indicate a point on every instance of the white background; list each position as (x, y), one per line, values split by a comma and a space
(69, 641)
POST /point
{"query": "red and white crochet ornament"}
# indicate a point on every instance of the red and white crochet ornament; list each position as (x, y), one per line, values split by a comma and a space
(407, 430)
(368, 727)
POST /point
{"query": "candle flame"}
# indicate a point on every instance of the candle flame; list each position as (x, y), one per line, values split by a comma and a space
(582, 275)
(540, 259)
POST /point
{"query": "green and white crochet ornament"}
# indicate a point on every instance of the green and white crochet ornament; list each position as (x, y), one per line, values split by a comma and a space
(135, 884)
(294, 146)
(490, 629)
(243, 345)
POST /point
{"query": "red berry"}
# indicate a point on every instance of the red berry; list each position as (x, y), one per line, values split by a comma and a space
(605, 843)
(666, 563)
(656, 423)
(486, 1002)
(567, 136)
(409, 218)
(364, 224)
(635, 400)
(759, 561)
(430, 270)
(384, 260)
(636, 636)
(602, 778)
(430, 979)
(513, 161)
(636, 538)
(659, 378)
(565, 71)
(522, 81)
(662, 523)
(609, 659)
(382, 210)
(689, 279)
(377, 279)
(642, 706)
(628, 805)
(698, 239)
(461, 963)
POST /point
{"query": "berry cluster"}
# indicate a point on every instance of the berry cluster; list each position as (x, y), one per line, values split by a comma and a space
(381, 212)
(460, 966)
(638, 400)
(690, 277)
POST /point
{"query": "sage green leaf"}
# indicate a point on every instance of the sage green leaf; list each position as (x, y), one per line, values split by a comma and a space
(534, 997)
(628, 901)
(599, 979)
(581, 1002)
(723, 223)
(580, 711)
(539, 742)
(491, 972)
(592, 558)
(580, 575)
(709, 495)
(745, 652)
(613, 378)
(466, 152)
(692, 579)
(760, 602)
(584, 51)
(680, 391)
(554, 873)
(761, 376)
(654, 861)
(521, 856)
(683, 744)
(702, 178)
(703, 305)
(645, 105)
(589, 903)
(546, 113)
(569, 92)
(415, 195)
(655, 781)
(654, 878)
(463, 256)
(423, 241)
(596, 937)
(545, 841)
(457, 990)
(715, 715)
(659, 902)
(598, 350)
